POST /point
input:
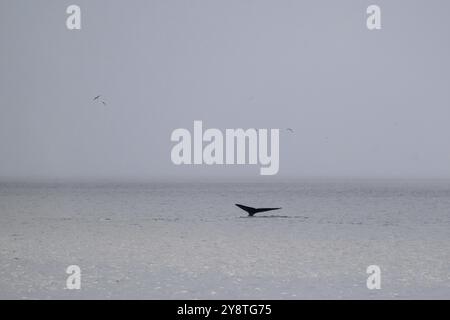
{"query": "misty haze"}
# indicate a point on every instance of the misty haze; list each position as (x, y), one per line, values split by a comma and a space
(87, 178)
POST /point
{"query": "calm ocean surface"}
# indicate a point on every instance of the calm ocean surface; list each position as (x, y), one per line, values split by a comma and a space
(188, 240)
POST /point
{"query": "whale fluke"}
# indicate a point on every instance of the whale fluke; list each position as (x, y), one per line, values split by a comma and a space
(252, 211)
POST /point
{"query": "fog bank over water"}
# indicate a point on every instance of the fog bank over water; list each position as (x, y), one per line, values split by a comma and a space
(362, 103)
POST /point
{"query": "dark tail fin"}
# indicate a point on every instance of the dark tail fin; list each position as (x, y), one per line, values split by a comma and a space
(252, 211)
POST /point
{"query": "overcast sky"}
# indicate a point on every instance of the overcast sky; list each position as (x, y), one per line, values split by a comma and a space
(362, 103)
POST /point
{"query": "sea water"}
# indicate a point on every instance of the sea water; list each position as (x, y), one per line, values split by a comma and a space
(188, 240)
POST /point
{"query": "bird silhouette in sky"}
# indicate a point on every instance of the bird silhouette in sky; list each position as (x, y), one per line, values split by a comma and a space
(97, 99)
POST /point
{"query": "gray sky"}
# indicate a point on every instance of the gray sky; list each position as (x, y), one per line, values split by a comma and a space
(362, 103)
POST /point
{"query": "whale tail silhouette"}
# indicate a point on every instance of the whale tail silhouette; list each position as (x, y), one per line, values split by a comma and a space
(252, 211)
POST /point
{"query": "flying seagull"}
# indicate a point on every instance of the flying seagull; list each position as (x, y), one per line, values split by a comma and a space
(252, 211)
(97, 99)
